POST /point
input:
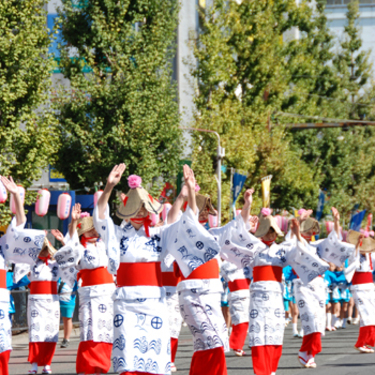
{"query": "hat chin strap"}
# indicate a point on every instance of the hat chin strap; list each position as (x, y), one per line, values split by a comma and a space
(268, 243)
(85, 240)
(45, 259)
(146, 221)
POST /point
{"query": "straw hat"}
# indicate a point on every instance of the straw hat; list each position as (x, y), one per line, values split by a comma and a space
(267, 221)
(203, 202)
(136, 198)
(310, 224)
(368, 243)
(85, 224)
(51, 250)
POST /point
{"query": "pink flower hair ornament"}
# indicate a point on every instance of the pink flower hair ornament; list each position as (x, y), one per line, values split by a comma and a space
(134, 181)
(85, 214)
(301, 211)
(197, 188)
(266, 211)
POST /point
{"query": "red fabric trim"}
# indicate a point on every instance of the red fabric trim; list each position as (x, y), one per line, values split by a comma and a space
(43, 287)
(93, 357)
(366, 336)
(45, 259)
(266, 358)
(96, 276)
(4, 360)
(137, 373)
(267, 273)
(174, 346)
(85, 240)
(41, 352)
(362, 278)
(3, 279)
(209, 362)
(240, 284)
(209, 270)
(312, 343)
(170, 279)
(125, 200)
(146, 221)
(136, 274)
(238, 336)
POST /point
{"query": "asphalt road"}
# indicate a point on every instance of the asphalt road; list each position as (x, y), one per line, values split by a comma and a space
(337, 358)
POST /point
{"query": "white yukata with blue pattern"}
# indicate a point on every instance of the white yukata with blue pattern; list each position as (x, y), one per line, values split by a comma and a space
(95, 302)
(17, 246)
(141, 330)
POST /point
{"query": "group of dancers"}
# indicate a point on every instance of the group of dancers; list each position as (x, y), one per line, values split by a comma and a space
(138, 282)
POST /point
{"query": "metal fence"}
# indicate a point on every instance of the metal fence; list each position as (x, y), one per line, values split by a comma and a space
(19, 319)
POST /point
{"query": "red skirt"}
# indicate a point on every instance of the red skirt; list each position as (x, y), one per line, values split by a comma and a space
(174, 346)
(41, 352)
(312, 343)
(209, 362)
(366, 336)
(4, 360)
(238, 336)
(266, 358)
(93, 357)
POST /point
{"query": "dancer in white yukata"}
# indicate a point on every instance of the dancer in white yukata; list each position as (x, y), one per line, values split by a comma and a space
(239, 304)
(311, 296)
(86, 251)
(141, 331)
(359, 272)
(17, 245)
(267, 316)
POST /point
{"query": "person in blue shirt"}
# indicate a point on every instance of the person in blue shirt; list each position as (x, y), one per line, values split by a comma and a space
(67, 297)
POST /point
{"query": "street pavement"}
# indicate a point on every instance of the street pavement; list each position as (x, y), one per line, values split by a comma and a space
(337, 358)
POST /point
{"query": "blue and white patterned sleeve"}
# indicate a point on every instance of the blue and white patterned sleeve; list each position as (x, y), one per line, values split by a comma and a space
(237, 245)
(68, 258)
(108, 232)
(189, 243)
(353, 264)
(23, 245)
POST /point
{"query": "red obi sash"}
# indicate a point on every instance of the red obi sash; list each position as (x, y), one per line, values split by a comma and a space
(240, 284)
(139, 274)
(170, 279)
(209, 270)
(267, 273)
(362, 278)
(3, 279)
(43, 287)
(96, 276)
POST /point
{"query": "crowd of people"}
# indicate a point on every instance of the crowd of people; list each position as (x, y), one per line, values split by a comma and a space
(138, 282)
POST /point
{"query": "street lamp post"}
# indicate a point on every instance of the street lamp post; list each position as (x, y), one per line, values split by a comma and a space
(220, 153)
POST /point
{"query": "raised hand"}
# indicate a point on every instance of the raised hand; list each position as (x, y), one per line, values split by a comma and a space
(9, 185)
(248, 196)
(253, 222)
(76, 212)
(305, 214)
(335, 213)
(58, 235)
(189, 177)
(115, 175)
(294, 227)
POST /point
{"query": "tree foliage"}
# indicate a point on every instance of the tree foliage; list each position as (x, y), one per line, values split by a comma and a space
(27, 137)
(122, 105)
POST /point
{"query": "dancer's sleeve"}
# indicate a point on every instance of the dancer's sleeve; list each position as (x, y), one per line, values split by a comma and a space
(22, 245)
(237, 245)
(189, 242)
(353, 264)
(109, 233)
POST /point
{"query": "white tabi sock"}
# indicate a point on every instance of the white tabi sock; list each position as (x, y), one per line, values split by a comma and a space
(34, 366)
(328, 320)
(343, 323)
(295, 330)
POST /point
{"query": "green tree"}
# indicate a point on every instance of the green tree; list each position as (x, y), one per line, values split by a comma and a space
(121, 106)
(27, 139)
(243, 74)
(341, 161)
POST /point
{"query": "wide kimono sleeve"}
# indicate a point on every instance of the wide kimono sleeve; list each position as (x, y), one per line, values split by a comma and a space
(108, 232)
(22, 245)
(352, 265)
(68, 257)
(237, 245)
(333, 249)
(189, 242)
(20, 271)
(306, 262)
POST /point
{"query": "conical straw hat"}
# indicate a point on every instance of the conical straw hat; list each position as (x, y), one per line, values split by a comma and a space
(368, 243)
(265, 223)
(85, 224)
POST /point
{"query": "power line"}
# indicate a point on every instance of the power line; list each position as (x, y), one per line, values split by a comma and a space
(372, 123)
